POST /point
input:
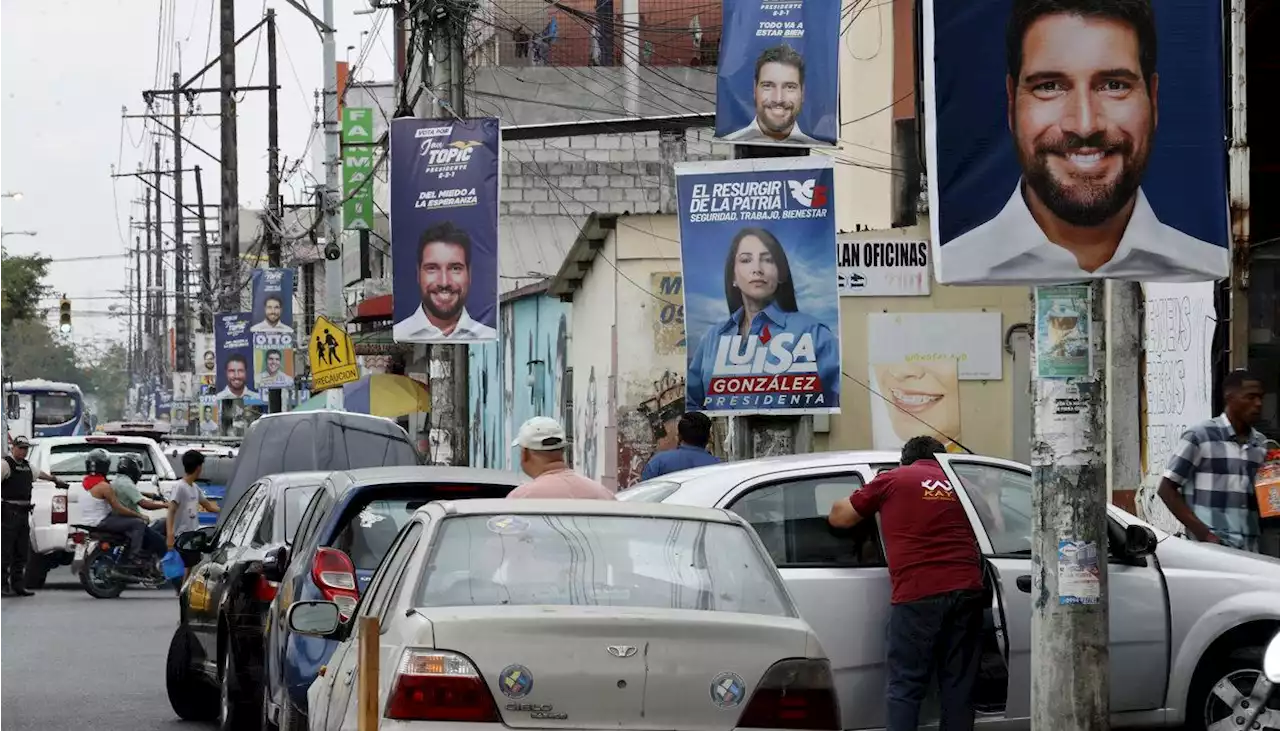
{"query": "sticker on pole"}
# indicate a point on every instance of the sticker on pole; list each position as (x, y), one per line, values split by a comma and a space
(1079, 580)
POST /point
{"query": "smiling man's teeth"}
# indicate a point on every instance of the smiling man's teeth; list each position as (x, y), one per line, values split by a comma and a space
(913, 399)
(1090, 159)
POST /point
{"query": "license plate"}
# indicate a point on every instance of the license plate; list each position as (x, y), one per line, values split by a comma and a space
(80, 552)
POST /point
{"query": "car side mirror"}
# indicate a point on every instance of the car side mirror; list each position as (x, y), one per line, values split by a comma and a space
(275, 563)
(319, 619)
(1271, 660)
(1139, 541)
(200, 541)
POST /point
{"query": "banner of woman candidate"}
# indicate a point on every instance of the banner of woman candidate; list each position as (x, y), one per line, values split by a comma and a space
(233, 344)
(272, 330)
(764, 338)
(444, 229)
(1070, 140)
(778, 79)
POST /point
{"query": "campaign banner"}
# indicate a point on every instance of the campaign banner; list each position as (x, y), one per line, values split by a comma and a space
(1083, 154)
(234, 346)
(765, 337)
(881, 268)
(206, 359)
(184, 387)
(273, 330)
(444, 229)
(778, 81)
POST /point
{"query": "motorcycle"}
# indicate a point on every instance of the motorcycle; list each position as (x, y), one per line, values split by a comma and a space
(100, 574)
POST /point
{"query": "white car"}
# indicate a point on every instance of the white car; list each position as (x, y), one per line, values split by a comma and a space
(501, 614)
(1189, 621)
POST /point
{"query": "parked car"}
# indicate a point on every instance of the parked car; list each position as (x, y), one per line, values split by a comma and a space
(1188, 620)
(344, 533)
(213, 670)
(545, 613)
(317, 441)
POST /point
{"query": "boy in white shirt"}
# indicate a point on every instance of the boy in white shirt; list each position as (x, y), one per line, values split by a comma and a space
(185, 504)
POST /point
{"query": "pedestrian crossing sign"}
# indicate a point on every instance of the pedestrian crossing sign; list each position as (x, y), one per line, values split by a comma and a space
(333, 359)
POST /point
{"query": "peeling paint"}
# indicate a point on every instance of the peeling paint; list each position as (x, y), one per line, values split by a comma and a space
(649, 427)
(587, 449)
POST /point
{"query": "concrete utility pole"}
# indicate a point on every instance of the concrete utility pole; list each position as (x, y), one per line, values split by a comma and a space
(229, 231)
(334, 306)
(149, 316)
(135, 334)
(206, 285)
(182, 346)
(631, 54)
(448, 365)
(1070, 662)
(273, 213)
(162, 329)
(1238, 186)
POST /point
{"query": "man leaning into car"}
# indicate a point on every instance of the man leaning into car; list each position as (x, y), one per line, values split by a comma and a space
(935, 624)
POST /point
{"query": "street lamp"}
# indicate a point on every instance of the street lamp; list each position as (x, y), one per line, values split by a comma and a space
(16, 195)
(18, 233)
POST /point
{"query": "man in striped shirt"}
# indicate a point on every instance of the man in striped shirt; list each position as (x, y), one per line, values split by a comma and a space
(1208, 484)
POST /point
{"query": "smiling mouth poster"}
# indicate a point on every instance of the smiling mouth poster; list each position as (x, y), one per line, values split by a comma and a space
(916, 362)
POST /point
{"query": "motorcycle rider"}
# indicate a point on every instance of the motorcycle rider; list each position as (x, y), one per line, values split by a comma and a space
(113, 506)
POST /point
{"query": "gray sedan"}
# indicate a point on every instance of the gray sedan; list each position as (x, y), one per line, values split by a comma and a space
(1188, 620)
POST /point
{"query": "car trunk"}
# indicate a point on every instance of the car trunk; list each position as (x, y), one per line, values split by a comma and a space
(594, 667)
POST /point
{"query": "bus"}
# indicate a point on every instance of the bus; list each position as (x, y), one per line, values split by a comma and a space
(39, 408)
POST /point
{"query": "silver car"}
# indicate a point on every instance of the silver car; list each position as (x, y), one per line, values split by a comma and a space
(1188, 621)
(576, 614)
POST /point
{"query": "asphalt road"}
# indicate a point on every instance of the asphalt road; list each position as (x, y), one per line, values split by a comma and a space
(72, 661)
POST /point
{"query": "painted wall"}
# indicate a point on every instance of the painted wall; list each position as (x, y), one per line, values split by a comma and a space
(593, 356)
(519, 377)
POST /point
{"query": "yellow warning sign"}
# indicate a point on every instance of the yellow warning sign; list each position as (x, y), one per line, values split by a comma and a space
(333, 359)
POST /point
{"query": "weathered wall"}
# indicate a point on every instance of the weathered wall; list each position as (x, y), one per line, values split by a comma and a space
(592, 356)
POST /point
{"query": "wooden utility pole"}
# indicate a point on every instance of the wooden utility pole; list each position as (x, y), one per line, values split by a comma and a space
(181, 345)
(274, 211)
(229, 236)
(206, 288)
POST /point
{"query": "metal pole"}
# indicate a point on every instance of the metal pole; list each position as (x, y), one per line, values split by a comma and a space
(273, 214)
(230, 210)
(162, 325)
(334, 308)
(1070, 661)
(206, 288)
(181, 363)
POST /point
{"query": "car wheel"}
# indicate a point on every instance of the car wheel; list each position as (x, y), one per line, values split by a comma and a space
(36, 571)
(237, 699)
(190, 696)
(1231, 690)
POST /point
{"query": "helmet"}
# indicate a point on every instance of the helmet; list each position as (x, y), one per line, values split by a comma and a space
(97, 462)
(130, 466)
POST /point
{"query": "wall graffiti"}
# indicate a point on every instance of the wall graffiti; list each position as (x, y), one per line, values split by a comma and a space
(668, 317)
(587, 446)
(649, 427)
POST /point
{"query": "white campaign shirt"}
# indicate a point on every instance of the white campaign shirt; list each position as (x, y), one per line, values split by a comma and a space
(1012, 249)
(188, 497)
(266, 327)
(417, 328)
(755, 133)
(227, 394)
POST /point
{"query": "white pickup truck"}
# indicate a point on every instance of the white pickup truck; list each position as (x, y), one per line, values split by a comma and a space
(52, 542)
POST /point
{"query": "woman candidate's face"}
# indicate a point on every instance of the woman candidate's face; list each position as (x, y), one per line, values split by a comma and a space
(755, 273)
(927, 391)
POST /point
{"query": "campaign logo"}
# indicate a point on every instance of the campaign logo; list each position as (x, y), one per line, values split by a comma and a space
(808, 193)
(766, 363)
(433, 132)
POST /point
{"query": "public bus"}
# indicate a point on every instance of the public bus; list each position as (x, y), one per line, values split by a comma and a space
(39, 408)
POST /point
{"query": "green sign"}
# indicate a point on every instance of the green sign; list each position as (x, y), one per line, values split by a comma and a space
(358, 157)
(357, 213)
(357, 125)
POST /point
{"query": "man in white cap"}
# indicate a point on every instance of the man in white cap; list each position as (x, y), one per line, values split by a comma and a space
(542, 442)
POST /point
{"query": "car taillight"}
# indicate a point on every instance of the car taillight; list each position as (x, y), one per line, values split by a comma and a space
(431, 685)
(77, 537)
(796, 694)
(335, 575)
(59, 509)
(265, 591)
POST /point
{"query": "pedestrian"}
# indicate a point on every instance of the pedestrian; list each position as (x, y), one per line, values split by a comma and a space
(15, 517)
(185, 503)
(1208, 483)
(694, 430)
(542, 442)
(935, 568)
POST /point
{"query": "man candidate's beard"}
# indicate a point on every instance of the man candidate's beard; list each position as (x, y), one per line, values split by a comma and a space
(452, 312)
(786, 126)
(1084, 203)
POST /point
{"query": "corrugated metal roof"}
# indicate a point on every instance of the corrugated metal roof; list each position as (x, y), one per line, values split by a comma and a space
(532, 248)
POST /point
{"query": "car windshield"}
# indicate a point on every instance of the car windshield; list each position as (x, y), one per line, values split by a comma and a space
(621, 561)
(53, 409)
(649, 492)
(68, 459)
(296, 500)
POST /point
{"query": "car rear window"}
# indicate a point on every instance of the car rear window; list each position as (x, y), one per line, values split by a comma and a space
(622, 561)
(68, 459)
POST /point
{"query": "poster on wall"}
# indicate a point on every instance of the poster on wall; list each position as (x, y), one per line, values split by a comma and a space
(919, 398)
(880, 268)
(444, 229)
(234, 346)
(1095, 150)
(762, 314)
(777, 82)
(206, 359)
(273, 330)
(1178, 384)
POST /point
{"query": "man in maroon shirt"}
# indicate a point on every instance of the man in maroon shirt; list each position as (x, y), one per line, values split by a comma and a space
(935, 566)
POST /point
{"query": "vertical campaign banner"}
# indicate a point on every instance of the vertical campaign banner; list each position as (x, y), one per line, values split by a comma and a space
(778, 81)
(272, 331)
(206, 360)
(444, 229)
(234, 347)
(764, 337)
(1074, 140)
(357, 167)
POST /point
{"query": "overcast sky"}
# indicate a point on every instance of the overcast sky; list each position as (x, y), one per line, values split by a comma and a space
(68, 66)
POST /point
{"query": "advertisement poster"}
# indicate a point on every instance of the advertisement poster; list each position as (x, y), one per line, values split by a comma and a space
(208, 416)
(763, 337)
(444, 229)
(916, 398)
(234, 346)
(206, 359)
(778, 81)
(1097, 150)
(184, 387)
(881, 268)
(1064, 332)
(272, 329)
(1079, 579)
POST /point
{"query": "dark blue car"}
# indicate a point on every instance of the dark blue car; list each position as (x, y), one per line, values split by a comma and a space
(342, 536)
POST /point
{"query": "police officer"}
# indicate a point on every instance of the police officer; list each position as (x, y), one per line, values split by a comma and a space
(15, 530)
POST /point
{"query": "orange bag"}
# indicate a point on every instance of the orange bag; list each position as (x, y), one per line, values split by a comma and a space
(1267, 486)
